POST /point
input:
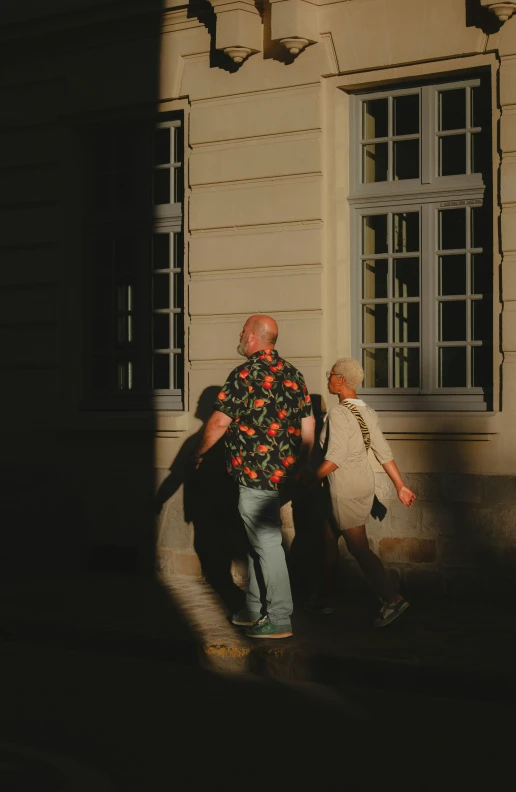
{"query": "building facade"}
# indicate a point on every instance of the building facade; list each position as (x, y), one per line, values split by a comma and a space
(169, 169)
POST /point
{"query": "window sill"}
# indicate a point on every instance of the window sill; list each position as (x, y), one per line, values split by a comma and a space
(425, 425)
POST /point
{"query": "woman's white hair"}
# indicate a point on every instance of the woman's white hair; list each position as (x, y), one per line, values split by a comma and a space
(351, 370)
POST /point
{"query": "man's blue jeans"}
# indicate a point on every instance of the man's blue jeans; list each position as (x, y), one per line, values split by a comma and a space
(260, 511)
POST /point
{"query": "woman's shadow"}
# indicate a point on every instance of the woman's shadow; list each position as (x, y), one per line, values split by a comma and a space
(210, 500)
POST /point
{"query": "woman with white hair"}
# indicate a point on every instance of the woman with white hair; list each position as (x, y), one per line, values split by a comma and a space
(350, 429)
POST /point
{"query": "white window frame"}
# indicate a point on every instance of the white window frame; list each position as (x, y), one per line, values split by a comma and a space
(160, 218)
(428, 194)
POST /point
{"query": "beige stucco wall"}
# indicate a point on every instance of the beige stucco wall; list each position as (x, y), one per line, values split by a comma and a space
(267, 229)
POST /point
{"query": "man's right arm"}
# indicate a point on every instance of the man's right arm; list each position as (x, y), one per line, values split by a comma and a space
(213, 431)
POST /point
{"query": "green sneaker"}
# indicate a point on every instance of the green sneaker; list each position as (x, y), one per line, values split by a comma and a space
(245, 618)
(263, 628)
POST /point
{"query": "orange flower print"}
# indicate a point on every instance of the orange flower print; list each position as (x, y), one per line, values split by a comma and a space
(236, 461)
(287, 383)
(268, 378)
(263, 449)
(221, 396)
(294, 386)
(275, 479)
(247, 470)
(307, 399)
(252, 474)
(291, 430)
(272, 432)
(243, 428)
(297, 432)
(274, 425)
(259, 402)
(251, 432)
(244, 373)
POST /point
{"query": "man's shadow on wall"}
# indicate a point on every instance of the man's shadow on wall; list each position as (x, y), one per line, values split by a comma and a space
(210, 501)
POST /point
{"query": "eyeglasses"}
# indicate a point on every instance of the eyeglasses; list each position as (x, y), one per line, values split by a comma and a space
(332, 374)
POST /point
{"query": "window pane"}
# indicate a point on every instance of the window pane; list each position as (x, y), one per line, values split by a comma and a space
(406, 159)
(452, 275)
(481, 278)
(406, 114)
(452, 229)
(376, 368)
(162, 187)
(124, 330)
(162, 147)
(452, 320)
(481, 365)
(452, 367)
(481, 319)
(375, 164)
(406, 322)
(406, 277)
(452, 109)
(161, 291)
(161, 372)
(476, 153)
(102, 317)
(124, 375)
(374, 230)
(374, 284)
(161, 336)
(479, 109)
(178, 290)
(406, 368)
(375, 324)
(477, 226)
(452, 155)
(405, 232)
(161, 251)
(375, 119)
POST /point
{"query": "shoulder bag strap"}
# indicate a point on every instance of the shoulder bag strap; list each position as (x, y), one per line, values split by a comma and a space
(363, 426)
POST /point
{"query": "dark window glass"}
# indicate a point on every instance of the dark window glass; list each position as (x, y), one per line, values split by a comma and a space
(481, 318)
(161, 335)
(161, 251)
(375, 119)
(406, 367)
(452, 275)
(452, 109)
(481, 367)
(406, 159)
(453, 320)
(452, 155)
(162, 146)
(452, 367)
(405, 232)
(161, 372)
(406, 322)
(478, 219)
(406, 114)
(376, 368)
(375, 323)
(452, 229)
(161, 291)
(374, 231)
(482, 279)
(162, 187)
(375, 164)
(374, 284)
(406, 277)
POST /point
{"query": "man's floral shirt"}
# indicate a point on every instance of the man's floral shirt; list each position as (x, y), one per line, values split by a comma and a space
(266, 397)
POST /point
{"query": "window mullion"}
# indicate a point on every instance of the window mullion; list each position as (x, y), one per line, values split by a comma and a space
(428, 299)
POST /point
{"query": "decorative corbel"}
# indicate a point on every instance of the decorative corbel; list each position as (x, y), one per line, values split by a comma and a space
(239, 31)
(295, 24)
(503, 11)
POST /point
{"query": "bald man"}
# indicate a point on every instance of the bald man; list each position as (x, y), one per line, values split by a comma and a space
(264, 411)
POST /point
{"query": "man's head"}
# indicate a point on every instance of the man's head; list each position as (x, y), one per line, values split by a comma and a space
(259, 332)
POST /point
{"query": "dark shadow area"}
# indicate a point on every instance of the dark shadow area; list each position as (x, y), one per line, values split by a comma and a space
(210, 499)
(203, 11)
(481, 17)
